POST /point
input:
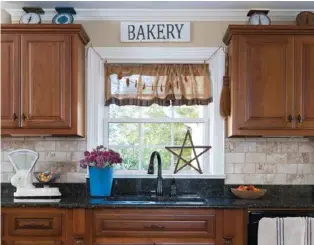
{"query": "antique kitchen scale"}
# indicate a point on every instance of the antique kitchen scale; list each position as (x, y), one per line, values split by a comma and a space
(24, 161)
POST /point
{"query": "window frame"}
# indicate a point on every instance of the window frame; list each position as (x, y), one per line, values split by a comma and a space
(98, 114)
(166, 173)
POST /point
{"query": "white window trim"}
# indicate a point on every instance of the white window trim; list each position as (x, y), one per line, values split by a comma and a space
(96, 131)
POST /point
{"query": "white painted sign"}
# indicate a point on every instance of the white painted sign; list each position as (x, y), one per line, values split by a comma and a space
(155, 32)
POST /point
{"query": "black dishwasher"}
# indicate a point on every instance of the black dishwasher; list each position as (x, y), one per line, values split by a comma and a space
(256, 215)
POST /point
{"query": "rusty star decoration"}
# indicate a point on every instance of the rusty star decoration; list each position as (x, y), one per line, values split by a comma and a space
(187, 162)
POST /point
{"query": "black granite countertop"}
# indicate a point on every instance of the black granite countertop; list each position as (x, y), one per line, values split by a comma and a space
(85, 202)
(216, 194)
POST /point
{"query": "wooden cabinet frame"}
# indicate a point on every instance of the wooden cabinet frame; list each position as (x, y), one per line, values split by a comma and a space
(29, 112)
(290, 109)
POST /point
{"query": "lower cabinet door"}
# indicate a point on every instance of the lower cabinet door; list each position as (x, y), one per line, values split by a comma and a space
(34, 242)
(130, 243)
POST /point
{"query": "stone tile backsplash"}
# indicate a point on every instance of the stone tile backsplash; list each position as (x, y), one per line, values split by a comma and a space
(62, 153)
(269, 161)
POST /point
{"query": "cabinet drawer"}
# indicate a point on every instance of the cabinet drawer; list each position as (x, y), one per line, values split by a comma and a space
(155, 223)
(35, 224)
(34, 243)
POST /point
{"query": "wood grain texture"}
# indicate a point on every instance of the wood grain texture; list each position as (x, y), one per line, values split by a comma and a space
(239, 30)
(304, 68)
(265, 85)
(47, 29)
(153, 241)
(157, 223)
(52, 61)
(78, 222)
(10, 80)
(42, 226)
(271, 80)
(34, 242)
(46, 76)
(202, 226)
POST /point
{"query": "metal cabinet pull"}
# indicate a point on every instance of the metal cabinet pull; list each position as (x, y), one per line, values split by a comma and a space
(14, 116)
(299, 118)
(290, 118)
(79, 241)
(24, 117)
(155, 227)
(228, 240)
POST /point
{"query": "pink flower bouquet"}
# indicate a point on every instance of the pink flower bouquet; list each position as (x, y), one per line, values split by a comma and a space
(100, 158)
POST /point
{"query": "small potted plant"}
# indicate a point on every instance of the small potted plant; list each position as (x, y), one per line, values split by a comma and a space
(100, 162)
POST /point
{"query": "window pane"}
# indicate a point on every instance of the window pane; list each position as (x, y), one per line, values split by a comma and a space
(188, 155)
(123, 133)
(197, 133)
(127, 111)
(165, 158)
(156, 111)
(195, 111)
(129, 158)
(157, 133)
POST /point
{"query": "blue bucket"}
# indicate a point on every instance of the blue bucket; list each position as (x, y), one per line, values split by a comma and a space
(100, 181)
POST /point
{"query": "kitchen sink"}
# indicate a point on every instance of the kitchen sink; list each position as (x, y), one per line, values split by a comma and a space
(189, 199)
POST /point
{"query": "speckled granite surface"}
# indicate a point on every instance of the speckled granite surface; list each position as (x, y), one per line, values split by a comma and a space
(217, 195)
(85, 202)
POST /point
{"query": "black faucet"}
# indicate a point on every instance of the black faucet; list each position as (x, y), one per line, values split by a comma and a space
(151, 171)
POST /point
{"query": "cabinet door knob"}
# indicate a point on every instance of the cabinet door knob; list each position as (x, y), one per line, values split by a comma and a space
(24, 117)
(14, 116)
(290, 118)
(299, 118)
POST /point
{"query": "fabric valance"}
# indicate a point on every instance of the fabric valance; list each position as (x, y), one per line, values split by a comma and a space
(146, 84)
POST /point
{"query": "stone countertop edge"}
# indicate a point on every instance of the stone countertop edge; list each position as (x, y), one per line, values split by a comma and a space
(217, 203)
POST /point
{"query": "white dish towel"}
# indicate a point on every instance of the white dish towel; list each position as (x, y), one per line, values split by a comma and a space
(282, 231)
(309, 231)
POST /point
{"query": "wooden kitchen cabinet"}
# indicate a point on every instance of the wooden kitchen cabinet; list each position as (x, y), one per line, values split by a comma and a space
(48, 80)
(10, 78)
(304, 80)
(131, 226)
(31, 242)
(271, 80)
(36, 226)
(46, 86)
(166, 226)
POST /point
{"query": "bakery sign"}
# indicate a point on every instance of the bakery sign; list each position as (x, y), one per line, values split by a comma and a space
(155, 32)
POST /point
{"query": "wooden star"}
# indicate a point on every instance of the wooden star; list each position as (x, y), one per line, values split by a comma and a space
(187, 162)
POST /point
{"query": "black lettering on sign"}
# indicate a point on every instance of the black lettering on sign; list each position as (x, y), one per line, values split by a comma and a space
(160, 30)
(150, 31)
(131, 34)
(170, 29)
(140, 32)
(179, 30)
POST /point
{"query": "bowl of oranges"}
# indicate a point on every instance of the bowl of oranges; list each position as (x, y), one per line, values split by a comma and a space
(248, 192)
(46, 176)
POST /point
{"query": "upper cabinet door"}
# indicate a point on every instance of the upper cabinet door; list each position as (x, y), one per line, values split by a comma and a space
(264, 86)
(46, 81)
(304, 69)
(10, 71)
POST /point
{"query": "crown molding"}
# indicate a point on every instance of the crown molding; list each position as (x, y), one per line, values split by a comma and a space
(157, 54)
(164, 14)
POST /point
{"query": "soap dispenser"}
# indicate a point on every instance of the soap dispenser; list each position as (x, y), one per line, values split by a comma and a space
(173, 188)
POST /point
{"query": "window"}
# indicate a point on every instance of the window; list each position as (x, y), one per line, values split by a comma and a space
(136, 132)
(133, 129)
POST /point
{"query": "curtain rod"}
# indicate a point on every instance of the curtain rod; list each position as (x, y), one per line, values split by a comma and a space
(224, 49)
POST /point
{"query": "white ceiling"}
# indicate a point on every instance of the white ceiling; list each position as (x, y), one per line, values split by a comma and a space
(163, 4)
